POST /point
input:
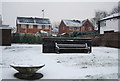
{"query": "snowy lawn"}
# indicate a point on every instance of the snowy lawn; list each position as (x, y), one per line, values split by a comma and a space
(102, 63)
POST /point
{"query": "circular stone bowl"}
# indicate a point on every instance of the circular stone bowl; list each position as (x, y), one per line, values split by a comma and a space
(27, 69)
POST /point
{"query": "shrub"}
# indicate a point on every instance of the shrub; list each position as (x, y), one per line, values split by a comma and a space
(78, 33)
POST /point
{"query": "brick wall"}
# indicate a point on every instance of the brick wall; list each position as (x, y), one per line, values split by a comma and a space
(32, 30)
(62, 28)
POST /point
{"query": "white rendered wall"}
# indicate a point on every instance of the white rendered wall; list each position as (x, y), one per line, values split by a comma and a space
(110, 25)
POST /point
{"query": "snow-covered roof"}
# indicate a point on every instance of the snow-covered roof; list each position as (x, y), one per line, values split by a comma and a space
(33, 20)
(72, 23)
(75, 23)
(43, 31)
(54, 29)
(5, 27)
(83, 21)
(111, 16)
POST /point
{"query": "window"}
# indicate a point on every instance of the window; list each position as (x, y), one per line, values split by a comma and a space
(86, 24)
(23, 26)
(30, 26)
(46, 27)
(39, 26)
(82, 28)
(89, 29)
(70, 28)
(102, 23)
(77, 28)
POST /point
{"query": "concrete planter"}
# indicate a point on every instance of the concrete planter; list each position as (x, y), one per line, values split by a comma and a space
(28, 72)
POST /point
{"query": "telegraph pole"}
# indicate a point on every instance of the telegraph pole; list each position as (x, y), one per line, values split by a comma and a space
(43, 13)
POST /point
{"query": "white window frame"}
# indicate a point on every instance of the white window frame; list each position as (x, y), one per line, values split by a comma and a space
(89, 28)
(46, 26)
(103, 24)
(39, 26)
(83, 29)
(30, 26)
(77, 29)
(23, 26)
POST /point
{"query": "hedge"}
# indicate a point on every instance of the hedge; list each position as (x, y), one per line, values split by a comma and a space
(26, 38)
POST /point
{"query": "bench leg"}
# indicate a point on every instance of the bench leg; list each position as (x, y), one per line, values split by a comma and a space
(89, 50)
(57, 51)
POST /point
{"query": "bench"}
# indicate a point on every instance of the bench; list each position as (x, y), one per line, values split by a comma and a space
(66, 45)
(60, 46)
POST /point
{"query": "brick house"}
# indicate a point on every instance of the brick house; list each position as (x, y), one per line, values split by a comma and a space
(33, 25)
(86, 26)
(69, 26)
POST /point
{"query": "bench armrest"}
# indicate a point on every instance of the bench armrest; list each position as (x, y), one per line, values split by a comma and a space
(56, 45)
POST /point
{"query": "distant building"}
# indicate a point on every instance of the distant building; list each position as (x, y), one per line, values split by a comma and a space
(33, 25)
(109, 24)
(68, 26)
(54, 31)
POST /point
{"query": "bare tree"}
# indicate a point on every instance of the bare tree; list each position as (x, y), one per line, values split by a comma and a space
(100, 14)
(55, 24)
(119, 6)
(116, 9)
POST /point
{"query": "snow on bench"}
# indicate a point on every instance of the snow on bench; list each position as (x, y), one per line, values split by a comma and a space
(71, 46)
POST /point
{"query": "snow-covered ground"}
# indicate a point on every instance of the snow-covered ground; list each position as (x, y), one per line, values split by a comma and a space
(102, 63)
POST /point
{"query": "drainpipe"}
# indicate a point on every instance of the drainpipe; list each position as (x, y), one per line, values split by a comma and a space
(98, 27)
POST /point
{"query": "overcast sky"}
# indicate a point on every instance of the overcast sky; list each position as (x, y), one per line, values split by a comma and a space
(55, 11)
